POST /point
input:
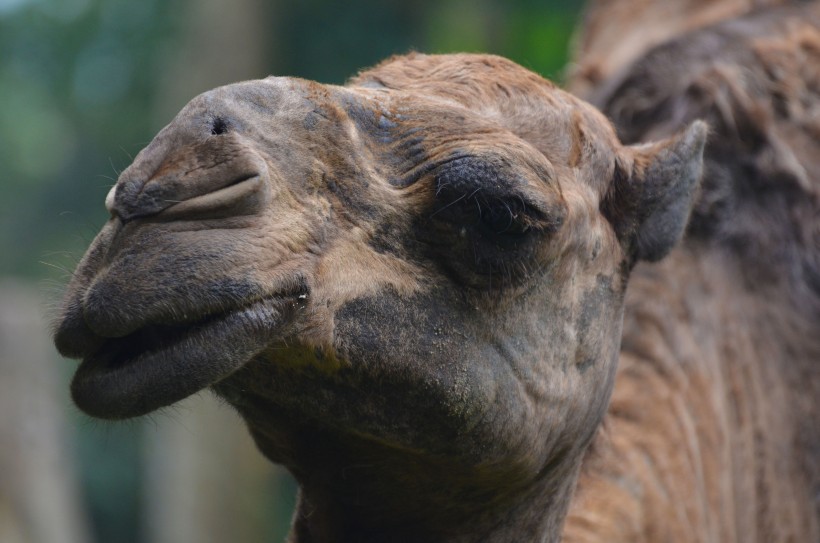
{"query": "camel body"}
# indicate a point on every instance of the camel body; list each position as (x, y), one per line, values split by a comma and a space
(710, 433)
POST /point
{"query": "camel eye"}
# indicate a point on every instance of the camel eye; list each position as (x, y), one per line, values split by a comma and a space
(485, 228)
(507, 216)
(219, 126)
(483, 197)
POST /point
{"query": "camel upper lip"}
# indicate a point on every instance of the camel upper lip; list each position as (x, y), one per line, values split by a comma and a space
(240, 196)
(155, 337)
(159, 364)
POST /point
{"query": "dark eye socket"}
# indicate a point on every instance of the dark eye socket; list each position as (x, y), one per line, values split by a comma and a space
(219, 126)
(496, 216)
(505, 216)
(484, 193)
(483, 240)
(487, 227)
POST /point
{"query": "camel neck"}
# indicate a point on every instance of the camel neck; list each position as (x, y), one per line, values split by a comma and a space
(703, 305)
(714, 387)
(537, 517)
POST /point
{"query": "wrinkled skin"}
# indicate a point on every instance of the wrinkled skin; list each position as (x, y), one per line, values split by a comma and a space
(411, 287)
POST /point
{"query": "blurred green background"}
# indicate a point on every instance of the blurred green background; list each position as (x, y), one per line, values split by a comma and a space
(84, 85)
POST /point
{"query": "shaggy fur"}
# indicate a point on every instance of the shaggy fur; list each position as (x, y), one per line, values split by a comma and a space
(712, 432)
(616, 33)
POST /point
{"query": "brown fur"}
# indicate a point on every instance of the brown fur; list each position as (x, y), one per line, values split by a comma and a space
(410, 287)
(615, 33)
(712, 432)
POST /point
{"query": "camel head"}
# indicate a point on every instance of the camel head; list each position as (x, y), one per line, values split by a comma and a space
(410, 286)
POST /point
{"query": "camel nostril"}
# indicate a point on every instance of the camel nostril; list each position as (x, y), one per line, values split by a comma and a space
(219, 126)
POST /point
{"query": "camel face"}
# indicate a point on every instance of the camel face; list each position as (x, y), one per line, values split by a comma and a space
(376, 264)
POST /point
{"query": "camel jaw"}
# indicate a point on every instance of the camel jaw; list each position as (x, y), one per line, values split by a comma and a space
(158, 365)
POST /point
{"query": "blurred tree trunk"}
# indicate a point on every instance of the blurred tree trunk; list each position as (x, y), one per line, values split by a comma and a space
(205, 480)
(39, 497)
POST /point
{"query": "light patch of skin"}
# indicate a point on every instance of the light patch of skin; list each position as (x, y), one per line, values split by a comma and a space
(351, 270)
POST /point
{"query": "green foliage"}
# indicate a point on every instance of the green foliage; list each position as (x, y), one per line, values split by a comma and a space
(76, 80)
(110, 474)
(534, 34)
(330, 41)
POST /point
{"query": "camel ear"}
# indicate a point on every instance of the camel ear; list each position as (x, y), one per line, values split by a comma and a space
(652, 193)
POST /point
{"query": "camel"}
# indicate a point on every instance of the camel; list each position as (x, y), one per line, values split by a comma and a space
(616, 33)
(413, 289)
(712, 431)
(410, 287)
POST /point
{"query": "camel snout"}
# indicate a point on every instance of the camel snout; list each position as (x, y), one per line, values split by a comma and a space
(218, 177)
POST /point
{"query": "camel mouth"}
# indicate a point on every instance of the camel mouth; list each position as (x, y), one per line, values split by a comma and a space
(148, 341)
(158, 365)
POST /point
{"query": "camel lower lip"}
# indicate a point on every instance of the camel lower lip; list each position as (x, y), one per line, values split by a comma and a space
(159, 365)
